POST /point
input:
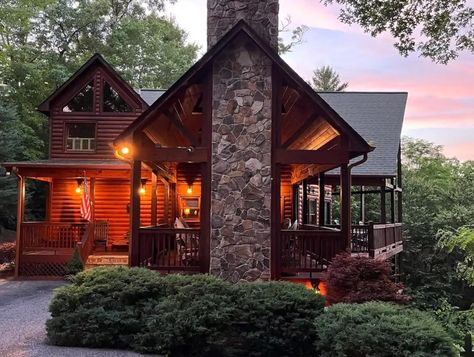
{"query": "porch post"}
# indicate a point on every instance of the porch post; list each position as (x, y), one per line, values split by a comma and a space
(392, 202)
(399, 192)
(305, 202)
(204, 247)
(19, 220)
(135, 213)
(322, 202)
(345, 206)
(362, 204)
(383, 208)
(153, 210)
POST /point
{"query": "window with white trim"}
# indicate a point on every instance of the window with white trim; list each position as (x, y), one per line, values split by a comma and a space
(80, 136)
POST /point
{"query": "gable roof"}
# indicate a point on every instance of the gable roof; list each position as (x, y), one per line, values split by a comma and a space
(96, 58)
(243, 28)
(378, 118)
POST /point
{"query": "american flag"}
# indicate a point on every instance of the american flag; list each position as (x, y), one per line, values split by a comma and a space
(86, 205)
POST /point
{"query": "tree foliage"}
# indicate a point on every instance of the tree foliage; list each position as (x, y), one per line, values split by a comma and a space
(438, 195)
(437, 29)
(326, 79)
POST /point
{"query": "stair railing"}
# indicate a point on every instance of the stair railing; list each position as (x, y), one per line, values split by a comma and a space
(86, 245)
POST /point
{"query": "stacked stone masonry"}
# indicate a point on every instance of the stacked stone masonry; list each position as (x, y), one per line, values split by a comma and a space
(241, 164)
(261, 15)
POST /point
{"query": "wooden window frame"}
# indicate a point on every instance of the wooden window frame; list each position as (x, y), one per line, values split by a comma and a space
(64, 103)
(65, 136)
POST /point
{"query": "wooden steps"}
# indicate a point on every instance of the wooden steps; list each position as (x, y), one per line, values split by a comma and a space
(98, 260)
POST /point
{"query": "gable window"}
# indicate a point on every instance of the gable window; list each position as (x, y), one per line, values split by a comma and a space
(82, 101)
(112, 101)
(80, 136)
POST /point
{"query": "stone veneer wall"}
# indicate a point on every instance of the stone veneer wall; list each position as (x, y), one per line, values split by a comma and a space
(262, 15)
(241, 164)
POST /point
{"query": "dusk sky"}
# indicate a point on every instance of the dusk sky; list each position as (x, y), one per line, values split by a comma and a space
(440, 98)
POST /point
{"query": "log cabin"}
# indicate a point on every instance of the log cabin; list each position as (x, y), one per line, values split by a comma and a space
(239, 169)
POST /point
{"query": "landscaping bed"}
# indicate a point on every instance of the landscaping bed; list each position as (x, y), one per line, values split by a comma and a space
(200, 315)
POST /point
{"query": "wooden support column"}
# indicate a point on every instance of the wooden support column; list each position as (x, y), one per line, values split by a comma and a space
(383, 207)
(92, 196)
(166, 194)
(362, 204)
(345, 204)
(392, 202)
(322, 202)
(135, 213)
(205, 248)
(305, 203)
(400, 192)
(20, 216)
(154, 199)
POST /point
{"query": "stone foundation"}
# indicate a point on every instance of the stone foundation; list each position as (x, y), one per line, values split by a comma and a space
(241, 164)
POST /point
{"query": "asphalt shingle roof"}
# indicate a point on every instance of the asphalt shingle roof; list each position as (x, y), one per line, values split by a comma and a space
(378, 118)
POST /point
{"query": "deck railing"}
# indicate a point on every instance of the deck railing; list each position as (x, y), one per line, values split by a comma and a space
(86, 244)
(168, 249)
(309, 250)
(50, 236)
(385, 240)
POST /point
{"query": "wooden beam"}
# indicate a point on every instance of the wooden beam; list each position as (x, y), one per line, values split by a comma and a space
(345, 204)
(194, 155)
(176, 119)
(300, 130)
(322, 196)
(20, 213)
(154, 199)
(383, 208)
(134, 243)
(311, 157)
(160, 170)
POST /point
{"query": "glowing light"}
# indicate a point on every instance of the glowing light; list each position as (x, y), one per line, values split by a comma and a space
(79, 186)
(187, 211)
(78, 189)
(142, 191)
(125, 150)
(190, 189)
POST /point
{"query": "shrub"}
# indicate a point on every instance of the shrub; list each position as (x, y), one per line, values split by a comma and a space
(7, 256)
(275, 319)
(360, 279)
(380, 329)
(74, 265)
(177, 315)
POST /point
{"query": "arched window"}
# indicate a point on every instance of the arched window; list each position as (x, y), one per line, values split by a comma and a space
(112, 101)
(82, 101)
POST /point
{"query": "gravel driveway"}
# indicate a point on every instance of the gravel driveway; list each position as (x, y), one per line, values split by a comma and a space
(23, 313)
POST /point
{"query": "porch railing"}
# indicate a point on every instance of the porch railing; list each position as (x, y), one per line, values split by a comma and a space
(50, 236)
(385, 240)
(168, 249)
(309, 250)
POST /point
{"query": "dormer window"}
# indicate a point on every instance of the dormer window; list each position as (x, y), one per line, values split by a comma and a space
(112, 101)
(82, 101)
(80, 136)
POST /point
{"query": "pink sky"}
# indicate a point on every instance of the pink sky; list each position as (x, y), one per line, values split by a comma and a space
(441, 98)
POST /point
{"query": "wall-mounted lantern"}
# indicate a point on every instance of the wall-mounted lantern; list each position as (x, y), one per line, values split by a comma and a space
(79, 185)
(189, 190)
(142, 189)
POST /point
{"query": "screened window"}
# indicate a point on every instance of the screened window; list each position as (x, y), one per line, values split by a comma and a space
(113, 102)
(83, 101)
(80, 137)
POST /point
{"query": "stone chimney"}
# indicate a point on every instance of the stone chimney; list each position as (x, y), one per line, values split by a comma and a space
(261, 15)
(241, 198)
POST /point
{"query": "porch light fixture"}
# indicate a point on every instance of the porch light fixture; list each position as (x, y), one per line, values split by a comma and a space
(187, 211)
(190, 189)
(142, 189)
(125, 150)
(79, 185)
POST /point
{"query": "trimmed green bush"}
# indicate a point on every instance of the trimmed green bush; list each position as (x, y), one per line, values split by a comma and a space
(195, 315)
(380, 329)
(74, 265)
(275, 319)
